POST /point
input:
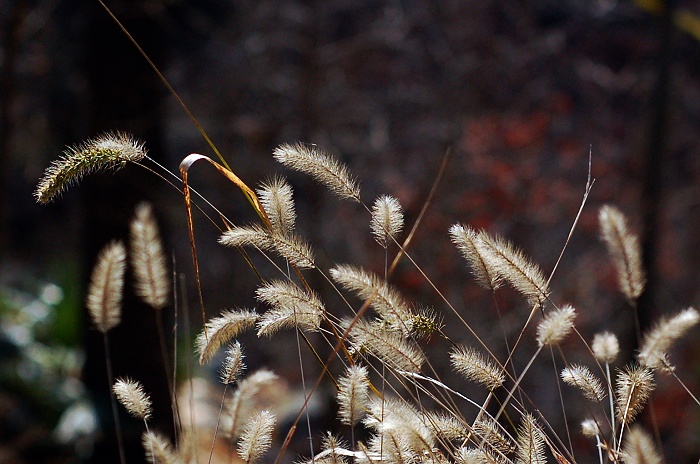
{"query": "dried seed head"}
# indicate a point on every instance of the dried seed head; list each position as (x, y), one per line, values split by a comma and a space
(476, 367)
(256, 437)
(276, 198)
(158, 448)
(516, 268)
(658, 341)
(624, 249)
(107, 151)
(291, 307)
(556, 326)
(605, 347)
(315, 162)
(639, 448)
(387, 219)
(233, 364)
(221, 330)
(589, 428)
(634, 387)
(468, 241)
(353, 394)
(148, 259)
(531, 442)
(106, 285)
(582, 378)
(131, 395)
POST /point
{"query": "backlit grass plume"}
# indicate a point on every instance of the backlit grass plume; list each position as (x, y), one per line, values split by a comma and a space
(132, 396)
(387, 219)
(315, 162)
(106, 151)
(106, 285)
(624, 249)
(148, 259)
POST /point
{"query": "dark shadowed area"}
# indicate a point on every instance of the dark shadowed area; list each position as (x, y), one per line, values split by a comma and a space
(521, 95)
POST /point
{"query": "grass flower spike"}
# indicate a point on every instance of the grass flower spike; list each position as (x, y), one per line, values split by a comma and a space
(222, 329)
(352, 394)
(107, 151)
(657, 342)
(605, 347)
(476, 367)
(131, 395)
(470, 244)
(105, 292)
(624, 248)
(148, 259)
(315, 162)
(257, 437)
(387, 219)
(556, 326)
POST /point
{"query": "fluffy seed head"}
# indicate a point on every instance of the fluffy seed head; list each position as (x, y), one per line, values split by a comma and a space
(276, 197)
(639, 448)
(589, 428)
(634, 387)
(353, 394)
(221, 330)
(582, 378)
(233, 364)
(476, 367)
(531, 442)
(387, 345)
(148, 259)
(288, 246)
(605, 347)
(158, 448)
(292, 306)
(131, 395)
(107, 151)
(556, 326)
(387, 219)
(468, 241)
(624, 249)
(514, 267)
(106, 285)
(315, 162)
(657, 342)
(256, 437)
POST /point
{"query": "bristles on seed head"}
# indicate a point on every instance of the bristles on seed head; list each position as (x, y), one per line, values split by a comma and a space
(387, 219)
(107, 151)
(276, 198)
(467, 241)
(353, 390)
(221, 330)
(387, 345)
(476, 367)
(386, 300)
(634, 387)
(605, 347)
(657, 342)
(624, 249)
(556, 326)
(531, 442)
(245, 401)
(315, 162)
(148, 259)
(292, 307)
(106, 285)
(638, 448)
(158, 448)
(590, 428)
(289, 246)
(582, 378)
(256, 437)
(233, 365)
(131, 395)
(514, 267)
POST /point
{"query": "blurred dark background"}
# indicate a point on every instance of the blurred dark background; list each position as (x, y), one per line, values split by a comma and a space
(520, 92)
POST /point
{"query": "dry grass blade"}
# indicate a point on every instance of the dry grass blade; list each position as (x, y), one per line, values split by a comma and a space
(106, 285)
(148, 259)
